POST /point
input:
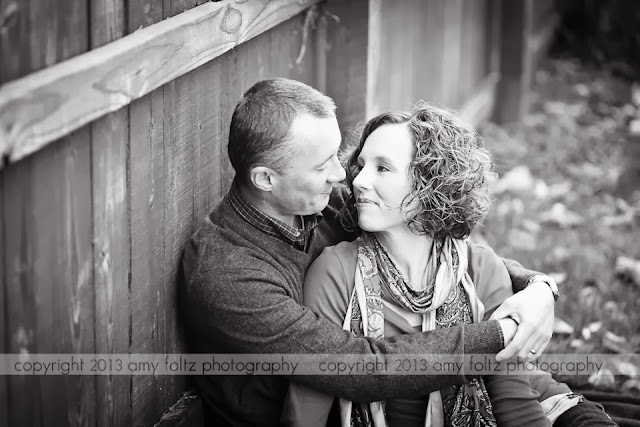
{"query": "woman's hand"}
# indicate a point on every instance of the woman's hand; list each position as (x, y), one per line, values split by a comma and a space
(533, 307)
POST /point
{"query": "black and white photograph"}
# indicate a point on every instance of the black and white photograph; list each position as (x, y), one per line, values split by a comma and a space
(310, 213)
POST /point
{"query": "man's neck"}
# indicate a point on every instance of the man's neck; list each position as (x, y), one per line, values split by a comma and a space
(265, 207)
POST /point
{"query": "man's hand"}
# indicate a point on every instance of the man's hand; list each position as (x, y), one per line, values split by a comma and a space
(534, 308)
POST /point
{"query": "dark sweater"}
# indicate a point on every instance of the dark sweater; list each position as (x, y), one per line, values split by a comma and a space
(242, 293)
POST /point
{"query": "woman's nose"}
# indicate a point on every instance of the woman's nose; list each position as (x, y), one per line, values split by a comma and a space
(361, 181)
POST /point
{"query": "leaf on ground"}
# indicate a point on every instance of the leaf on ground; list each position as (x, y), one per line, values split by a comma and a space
(602, 379)
(559, 277)
(589, 330)
(616, 343)
(576, 343)
(517, 180)
(628, 268)
(522, 240)
(632, 385)
(634, 128)
(635, 94)
(512, 207)
(559, 189)
(561, 216)
(622, 367)
(560, 327)
(618, 220)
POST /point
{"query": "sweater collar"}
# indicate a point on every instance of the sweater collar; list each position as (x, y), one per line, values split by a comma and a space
(297, 237)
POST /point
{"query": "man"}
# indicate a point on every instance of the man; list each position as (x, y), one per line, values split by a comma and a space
(244, 268)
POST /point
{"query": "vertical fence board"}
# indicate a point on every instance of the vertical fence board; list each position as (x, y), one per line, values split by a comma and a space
(111, 260)
(232, 86)
(111, 257)
(515, 62)
(11, 59)
(147, 182)
(207, 156)
(146, 192)
(49, 286)
(347, 61)
(430, 77)
(179, 133)
(63, 274)
(4, 320)
(451, 62)
(25, 406)
(48, 246)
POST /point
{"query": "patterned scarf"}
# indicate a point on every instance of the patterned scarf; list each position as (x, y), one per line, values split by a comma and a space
(448, 299)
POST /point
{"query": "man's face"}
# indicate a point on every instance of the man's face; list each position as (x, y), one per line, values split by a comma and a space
(304, 186)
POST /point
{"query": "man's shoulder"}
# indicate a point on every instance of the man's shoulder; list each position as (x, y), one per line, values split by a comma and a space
(223, 242)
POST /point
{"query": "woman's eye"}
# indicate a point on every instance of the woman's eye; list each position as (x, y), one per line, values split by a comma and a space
(382, 168)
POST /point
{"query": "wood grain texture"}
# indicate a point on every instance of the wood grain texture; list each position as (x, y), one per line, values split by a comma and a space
(146, 192)
(24, 404)
(4, 383)
(347, 61)
(47, 201)
(515, 61)
(38, 109)
(111, 248)
(62, 274)
(146, 195)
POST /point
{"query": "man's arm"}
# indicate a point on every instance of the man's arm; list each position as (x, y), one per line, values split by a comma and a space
(533, 304)
(519, 275)
(252, 311)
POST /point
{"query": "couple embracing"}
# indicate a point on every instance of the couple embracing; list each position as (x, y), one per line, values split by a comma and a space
(291, 261)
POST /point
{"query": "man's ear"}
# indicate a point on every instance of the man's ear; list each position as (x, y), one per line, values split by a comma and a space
(262, 178)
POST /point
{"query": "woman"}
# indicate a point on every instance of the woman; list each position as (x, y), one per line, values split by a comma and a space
(418, 190)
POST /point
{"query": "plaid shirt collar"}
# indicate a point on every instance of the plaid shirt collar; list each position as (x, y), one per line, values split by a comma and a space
(297, 237)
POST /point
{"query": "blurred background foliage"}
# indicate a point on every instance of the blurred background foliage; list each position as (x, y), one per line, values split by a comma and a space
(568, 198)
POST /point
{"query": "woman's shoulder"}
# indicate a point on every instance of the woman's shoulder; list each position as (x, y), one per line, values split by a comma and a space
(331, 277)
(341, 251)
(337, 261)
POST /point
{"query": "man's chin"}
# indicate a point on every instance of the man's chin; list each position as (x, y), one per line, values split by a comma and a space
(319, 205)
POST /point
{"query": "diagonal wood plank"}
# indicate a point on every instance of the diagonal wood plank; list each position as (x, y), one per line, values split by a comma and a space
(40, 108)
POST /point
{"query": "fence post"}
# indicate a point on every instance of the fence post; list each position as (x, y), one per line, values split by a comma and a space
(515, 60)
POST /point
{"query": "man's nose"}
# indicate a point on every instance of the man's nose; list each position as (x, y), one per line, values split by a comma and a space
(338, 174)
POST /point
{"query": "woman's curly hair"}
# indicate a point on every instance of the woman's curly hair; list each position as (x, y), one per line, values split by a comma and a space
(447, 172)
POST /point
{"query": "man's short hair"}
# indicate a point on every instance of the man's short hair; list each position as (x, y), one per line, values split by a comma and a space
(261, 122)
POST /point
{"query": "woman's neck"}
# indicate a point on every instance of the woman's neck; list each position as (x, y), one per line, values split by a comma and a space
(409, 251)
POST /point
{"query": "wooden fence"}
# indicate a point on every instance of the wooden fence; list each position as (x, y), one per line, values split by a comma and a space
(114, 116)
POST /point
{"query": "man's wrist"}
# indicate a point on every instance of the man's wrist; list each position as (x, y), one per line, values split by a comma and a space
(548, 280)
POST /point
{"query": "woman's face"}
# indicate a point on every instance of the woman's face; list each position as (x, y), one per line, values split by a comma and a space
(383, 182)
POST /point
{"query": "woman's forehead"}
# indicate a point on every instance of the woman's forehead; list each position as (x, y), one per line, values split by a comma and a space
(390, 141)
